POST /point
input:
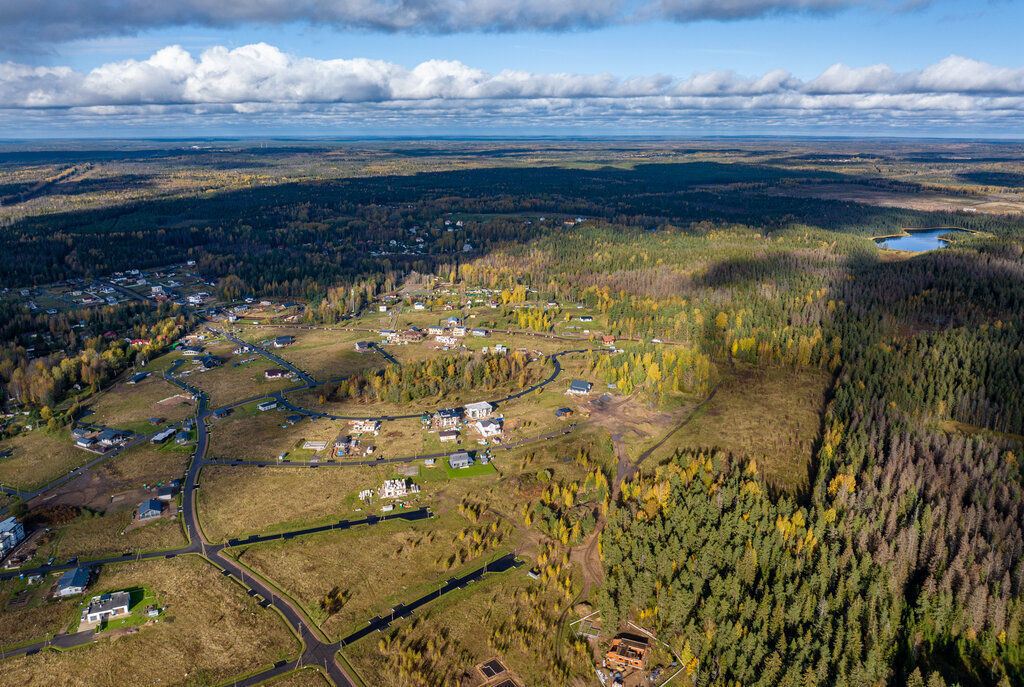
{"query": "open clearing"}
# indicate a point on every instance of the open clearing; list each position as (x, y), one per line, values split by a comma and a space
(95, 536)
(244, 500)
(212, 631)
(145, 464)
(373, 569)
(39, 457)
(323, 353)
(37, 618)
(130, 406)
(227, 384)
(264, 436)
(461, 627)
(772, 415)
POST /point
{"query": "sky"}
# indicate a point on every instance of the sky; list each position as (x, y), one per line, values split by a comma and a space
(192, 68)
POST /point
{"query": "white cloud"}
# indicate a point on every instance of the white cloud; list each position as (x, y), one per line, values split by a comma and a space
(23, 22)
(258, 80)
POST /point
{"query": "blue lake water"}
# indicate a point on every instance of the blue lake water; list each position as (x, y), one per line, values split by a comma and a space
(918, 241)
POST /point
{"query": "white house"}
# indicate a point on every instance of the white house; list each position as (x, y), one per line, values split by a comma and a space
(397, 488)
(478, 410)
(11, 534)
(489, 428)
(107, 606)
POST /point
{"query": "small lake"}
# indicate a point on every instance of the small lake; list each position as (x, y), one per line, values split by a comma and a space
(919, 241)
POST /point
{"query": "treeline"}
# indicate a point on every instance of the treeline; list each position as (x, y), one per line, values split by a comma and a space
(87, 363)
(438, 377)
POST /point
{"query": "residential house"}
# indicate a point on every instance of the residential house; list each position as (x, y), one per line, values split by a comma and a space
(191, 350)
(73, 581)
(448, 435)
(181, 438)
(429, 462)
(459, 460)
(165, 494)
(209, 361)
(363, 347)
(446, 417)
(292, 419)
(109, 438)
(478, 332)
(418, 306)
(282, 341)
(397, 488)
(478, 410)
(586, 318)
(413, 335)
(579, 388)
(360, 426)
(266, 405)
(12, 533)
(107, 607)
(627, 652)
(221, 413)
(161, 437)
(458, 332)
(489, 428)
(150, 508)
(435, 330)
(563, 413)
(85, 442)
(608, 340)
(274, 373)
(137, 377)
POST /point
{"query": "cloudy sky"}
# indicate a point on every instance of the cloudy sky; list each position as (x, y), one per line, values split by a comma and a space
(521, 67)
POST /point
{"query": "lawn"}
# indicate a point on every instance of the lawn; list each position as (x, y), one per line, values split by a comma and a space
(130, 406)
(264, 436)
(244, 500)
(96, 536)
(372, 568)
(212, 631)
(39, 457)
(772, 415)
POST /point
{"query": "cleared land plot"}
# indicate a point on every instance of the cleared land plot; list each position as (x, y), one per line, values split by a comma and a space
(97, 536)
(462, 624)
(266, 435)
(227, 384)
(37, 617)
(212, 631)
(772, 415)
(373, 569)
(39, 457)
(324, 354)
(130, 406)
(234, 501)
(146, 464)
